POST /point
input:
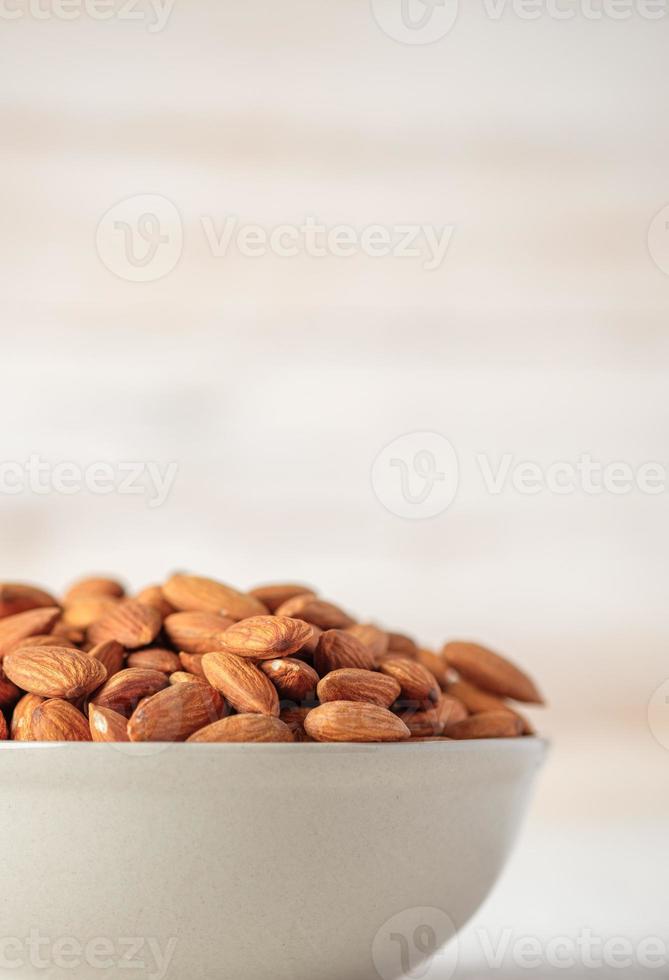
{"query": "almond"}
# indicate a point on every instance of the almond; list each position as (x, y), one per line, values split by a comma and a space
(192, 593)
(337, 649)
(416, 682)
(19, 627)
(274, 596)
(490, 724)
(293, 679)
(93, 586)
(319, 613)
(4, 733)
(9, 693)
(192, 663)
(399, 643)
(85, 610)
(372, 637)
(352, 684)
(123, 692)
(245, 728)
(22, 717)
(54, 672)
(153, 596)
(16, 598)
(197, 632)
(176, 713)
(295, 718)
(241, 683)
(354, 721)
(155, 658)
(182, 677)
(428, 722)
(477, 702)
(129, 622)
(491, 672)
(106, 725)
(111, 654)
(436, 665)
(43, 640)
(266, 637)
(56, 720)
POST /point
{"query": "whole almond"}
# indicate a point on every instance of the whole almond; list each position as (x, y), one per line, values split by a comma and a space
(106, 725)
(274, 596)
(22, 717)
(123, 692)
(266, 637)
(56, 720)
(83, 611)
(478, 702)
(197, 632)
(352, 684)
(155, 658)
(490, 724)
(43, 640)
(295, 718)
(193, 592)
(337, 649)
(436, 665)
(192, 663)
(9, 693)
(491, 672)
(153, 596)
(427, 722)
(293, 679)
(17, 598)
(54, 672)
(71, 634)
(399, 643)
(372, 637)
(176, 713)
(319, 613)
(183, 677)
(111, 654)
(416, 682)
(93, 586)
(241, 683)
(14, 630)
(245, 728)
(354, 721)
(129, 622)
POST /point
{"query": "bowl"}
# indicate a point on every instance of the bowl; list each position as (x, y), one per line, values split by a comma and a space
(252, 862)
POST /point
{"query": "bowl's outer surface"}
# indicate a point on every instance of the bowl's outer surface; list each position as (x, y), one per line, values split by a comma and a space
(252, 862)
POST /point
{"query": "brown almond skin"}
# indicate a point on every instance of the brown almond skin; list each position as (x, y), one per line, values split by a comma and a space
(123, 692)
(490, 724)
(352, 684)
(416, 682)
(293, 679)
(375, 639)
(399, 643)
(153, 596)
(16, 629)
(245, 728)
(155, 658)
(16, 598)
(176, 713)
(197, 632)
(337, 649)
(491, 672)
(22, 717)
(273, 596)
(54, 672)
(295, 718)
(318, 612)
(354, 721)
(4, 731)
(43, 640)
(111, 654)
(94, 585)
(129, 622)
(56, 720)
(266, 637)
(432, 722)
(182, 677)
(192, 663)
(106, 725)
(477, 702)
(241, 683)
(82, 612)
(9, 692)
(193, 592)
(436, 665)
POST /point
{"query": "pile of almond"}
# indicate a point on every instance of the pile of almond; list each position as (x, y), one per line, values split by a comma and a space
(196, 660)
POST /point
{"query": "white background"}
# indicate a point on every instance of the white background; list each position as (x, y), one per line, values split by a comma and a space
(274, 382)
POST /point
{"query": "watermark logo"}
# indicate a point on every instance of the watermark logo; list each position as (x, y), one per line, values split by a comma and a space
(416, 475)
(658, 715)
(658, 240)
(155, 14)
(418, 944)
(148, 956)
(140, 239)
(415, 21)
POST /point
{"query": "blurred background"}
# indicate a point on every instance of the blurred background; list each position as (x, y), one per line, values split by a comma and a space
(185, 387)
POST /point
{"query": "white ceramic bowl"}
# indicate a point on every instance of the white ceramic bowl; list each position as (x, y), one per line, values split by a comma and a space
(249, 862)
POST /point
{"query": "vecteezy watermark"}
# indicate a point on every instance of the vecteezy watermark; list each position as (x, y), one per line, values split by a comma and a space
(415, 21)
(658, 240)
(141, 239)
(417, 943)
(658, 715)
(154, 13)
(40, 476)
(510, 950)
(43, 953)
(417, 476)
